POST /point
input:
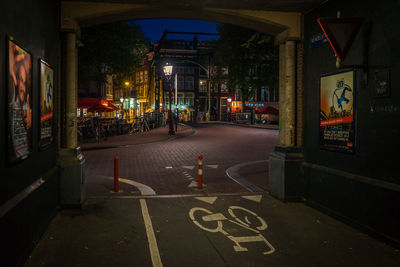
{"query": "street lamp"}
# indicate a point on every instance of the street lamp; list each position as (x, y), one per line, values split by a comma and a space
(229, 107)
(168, 73)
(122, 107)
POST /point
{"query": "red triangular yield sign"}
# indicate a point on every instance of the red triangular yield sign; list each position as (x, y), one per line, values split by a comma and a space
(340, 33)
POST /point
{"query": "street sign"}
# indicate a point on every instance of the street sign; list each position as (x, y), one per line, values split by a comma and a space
(340, 33)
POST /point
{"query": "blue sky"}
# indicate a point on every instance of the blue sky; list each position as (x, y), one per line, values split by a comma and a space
(154, 28)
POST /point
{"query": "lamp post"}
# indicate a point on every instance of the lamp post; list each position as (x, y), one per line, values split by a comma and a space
(229, 107)
(122, 107)
(168, 73)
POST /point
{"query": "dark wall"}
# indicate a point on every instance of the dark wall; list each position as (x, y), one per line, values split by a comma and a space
(363, 187)
(33, 26)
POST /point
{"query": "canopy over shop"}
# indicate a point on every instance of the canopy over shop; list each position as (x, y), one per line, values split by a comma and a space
(268, 114)
(268, 110)
(97, 105)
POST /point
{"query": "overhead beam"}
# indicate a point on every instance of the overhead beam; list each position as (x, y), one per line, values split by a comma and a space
(287, 24)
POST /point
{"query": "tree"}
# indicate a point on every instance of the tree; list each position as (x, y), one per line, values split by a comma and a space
(249, 56)
(115, 48)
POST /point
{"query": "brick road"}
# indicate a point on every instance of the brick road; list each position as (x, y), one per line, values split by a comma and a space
(148, 163)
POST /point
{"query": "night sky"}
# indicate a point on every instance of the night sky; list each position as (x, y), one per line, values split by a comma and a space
(154, 28)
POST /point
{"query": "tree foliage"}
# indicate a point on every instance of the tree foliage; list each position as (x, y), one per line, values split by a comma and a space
(249, 56)
(115, 48)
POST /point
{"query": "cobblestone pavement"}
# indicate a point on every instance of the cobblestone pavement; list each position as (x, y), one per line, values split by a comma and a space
(170, 165)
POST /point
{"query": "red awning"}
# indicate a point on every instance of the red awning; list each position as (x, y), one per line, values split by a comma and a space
(97, 105)
(268, 110)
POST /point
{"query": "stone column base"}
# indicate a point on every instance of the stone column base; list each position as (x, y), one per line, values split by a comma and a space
(285, 173)
(71, 163)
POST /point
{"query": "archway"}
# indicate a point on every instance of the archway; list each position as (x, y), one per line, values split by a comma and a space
(284, 25)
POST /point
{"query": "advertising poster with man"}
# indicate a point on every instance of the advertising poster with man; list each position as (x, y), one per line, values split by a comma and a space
(337, 112)
(46, 105)
(19, 102)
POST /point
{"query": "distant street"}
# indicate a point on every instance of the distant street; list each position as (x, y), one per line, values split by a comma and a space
(170, 167)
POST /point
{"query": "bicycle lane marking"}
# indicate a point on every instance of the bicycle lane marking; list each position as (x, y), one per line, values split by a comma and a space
(220, 219)
(180, 243)
(154, 253)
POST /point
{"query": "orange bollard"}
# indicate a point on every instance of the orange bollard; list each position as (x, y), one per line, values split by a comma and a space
(200, 180)
(116, 174)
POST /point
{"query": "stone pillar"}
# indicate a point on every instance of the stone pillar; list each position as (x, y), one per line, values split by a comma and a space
(71, 161)
(71, 91)
(282, 97)
(290, 92)
(285, 162)
(287, 93)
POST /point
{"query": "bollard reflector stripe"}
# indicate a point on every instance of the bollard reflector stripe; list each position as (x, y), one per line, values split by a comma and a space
(200, 172)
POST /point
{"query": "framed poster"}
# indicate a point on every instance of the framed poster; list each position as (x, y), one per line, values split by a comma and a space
(46, 105)
(336, 123)
(19, 111)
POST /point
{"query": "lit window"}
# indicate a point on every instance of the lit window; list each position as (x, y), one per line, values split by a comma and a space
(203, 86)
(141, 77)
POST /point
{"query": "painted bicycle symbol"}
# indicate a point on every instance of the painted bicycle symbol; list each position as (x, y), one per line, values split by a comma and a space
(244, 218)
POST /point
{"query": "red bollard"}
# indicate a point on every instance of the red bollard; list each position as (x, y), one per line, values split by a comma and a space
(116, 174)
(200, 180)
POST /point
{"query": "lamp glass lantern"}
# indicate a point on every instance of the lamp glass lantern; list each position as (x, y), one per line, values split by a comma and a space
(167, 70)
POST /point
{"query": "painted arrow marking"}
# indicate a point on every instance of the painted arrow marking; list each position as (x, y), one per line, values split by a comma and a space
(209, 200)
(188, 167)
(256, 198)
(212, 166)
(194, 184)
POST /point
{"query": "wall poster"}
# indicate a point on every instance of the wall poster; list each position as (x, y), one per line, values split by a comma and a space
(19, 112)
(46, 105)
(337, 128)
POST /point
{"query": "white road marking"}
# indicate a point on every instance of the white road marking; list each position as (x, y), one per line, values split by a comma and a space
(193, 184)
(255, 198)
(209, 200)
(212, 166)
(168, 167)
(144, 189)
(155, 254)
(188, 167)
(255, 225)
